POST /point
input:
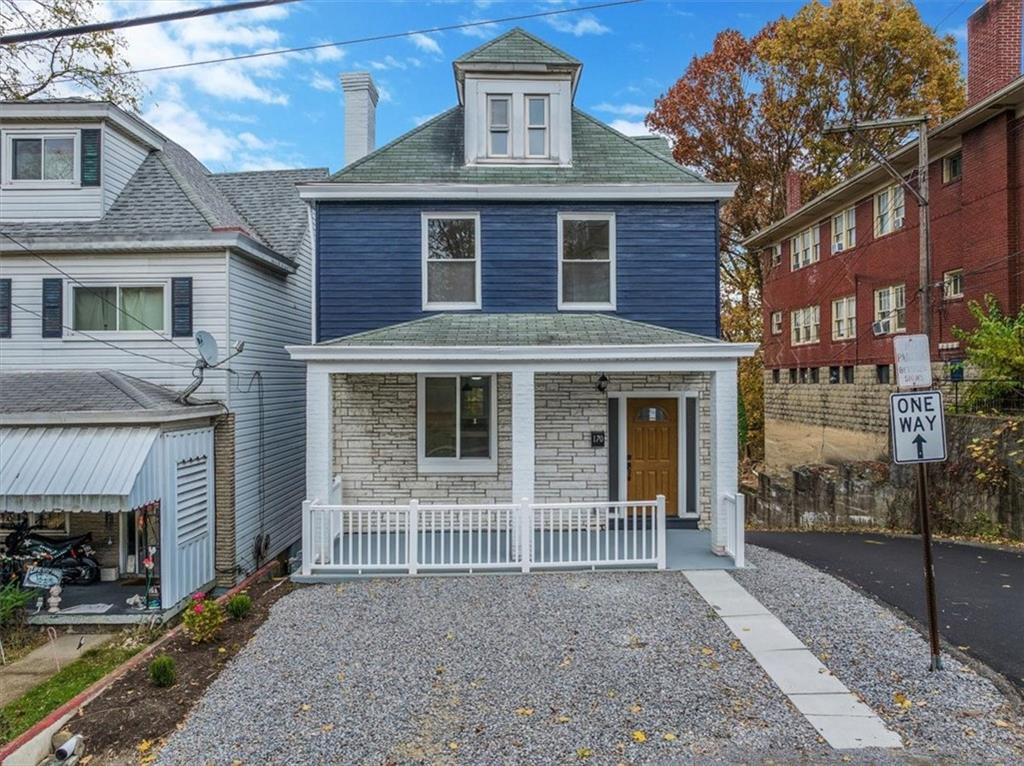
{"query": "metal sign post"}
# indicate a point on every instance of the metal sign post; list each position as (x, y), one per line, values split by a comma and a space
(919, 437)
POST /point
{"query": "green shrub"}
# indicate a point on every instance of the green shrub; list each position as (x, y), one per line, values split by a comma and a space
(202, 619)
(239, 606)
(12, 600)
(161, 670)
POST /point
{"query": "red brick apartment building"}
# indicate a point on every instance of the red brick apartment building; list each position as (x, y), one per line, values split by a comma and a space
(841, 271)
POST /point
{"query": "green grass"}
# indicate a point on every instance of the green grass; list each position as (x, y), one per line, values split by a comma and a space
(36, 703)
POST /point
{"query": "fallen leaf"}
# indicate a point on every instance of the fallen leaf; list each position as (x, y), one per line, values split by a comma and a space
(968, 732)
(222, 650)
(639, 736)
(735, 644)
(635, 708)
(341, 677)
(669, 736)
(562, 719)
(524, 711)
(144, 746)
(902, 700)
(583, 753)
(566, 661)
(327, 727)
(706, 650)
(306, 706)
(450, 636)
(1001, 723)
(453, 745)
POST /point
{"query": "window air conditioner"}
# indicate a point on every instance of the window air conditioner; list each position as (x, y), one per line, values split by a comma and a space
(882, 327)
(837, 247)
(897, 223)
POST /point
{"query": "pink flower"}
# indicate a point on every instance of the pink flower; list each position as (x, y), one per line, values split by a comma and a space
(198, 596)
(198, 608)
(147, 562)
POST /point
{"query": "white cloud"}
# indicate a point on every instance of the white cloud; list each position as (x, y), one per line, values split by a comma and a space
(384, 94)
(388, 62)
(426, 43)
(622, 110)
(630, 128)
(320, 81)
(578, 26)
(328, 54)
(481, 31)
(419, 119)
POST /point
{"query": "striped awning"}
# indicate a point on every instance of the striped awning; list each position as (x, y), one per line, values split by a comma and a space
(72, 468)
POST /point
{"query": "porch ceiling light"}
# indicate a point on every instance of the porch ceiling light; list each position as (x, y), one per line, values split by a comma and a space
(602, 383)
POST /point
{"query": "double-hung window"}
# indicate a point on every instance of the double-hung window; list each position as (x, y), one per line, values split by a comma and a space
(952, 167)
(499, 120)
(805, 325)
(890, 210)
(457, 417)
(119, 308)
(844, 230)
(451, 261)
(47, 158)
(776, 323)
(805, 248)
(537, 133)
(586, 261)
(844, 318)
(953, 284)
(891, 307)
(775, 254)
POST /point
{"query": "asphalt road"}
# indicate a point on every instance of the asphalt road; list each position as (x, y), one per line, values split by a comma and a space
(980, 590)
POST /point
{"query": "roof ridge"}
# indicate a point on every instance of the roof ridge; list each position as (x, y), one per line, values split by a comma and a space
(268, 171)
(671, 163)
(187, 190)
(516, 30)
(418, 129)
(386, 327)
(125, 384)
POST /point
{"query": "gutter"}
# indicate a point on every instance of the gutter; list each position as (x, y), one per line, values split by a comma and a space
(110, 417)
(657, 192)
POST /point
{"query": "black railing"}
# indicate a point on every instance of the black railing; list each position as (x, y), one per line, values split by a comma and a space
(984, 395)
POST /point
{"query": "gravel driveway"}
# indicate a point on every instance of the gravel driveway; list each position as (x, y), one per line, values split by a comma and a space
(596, 668)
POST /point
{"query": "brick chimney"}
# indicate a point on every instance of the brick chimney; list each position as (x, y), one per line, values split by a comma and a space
(794, 191)
(360, 114)
(993, 47)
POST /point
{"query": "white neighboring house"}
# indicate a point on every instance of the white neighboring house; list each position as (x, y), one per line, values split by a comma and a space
(117, 246)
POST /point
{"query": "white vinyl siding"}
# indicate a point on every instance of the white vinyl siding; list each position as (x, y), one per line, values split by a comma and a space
(805, 248)
(805, 325)
(844, 230)
(890, 210)
(121, 157)
(891, 305)
(844, 318)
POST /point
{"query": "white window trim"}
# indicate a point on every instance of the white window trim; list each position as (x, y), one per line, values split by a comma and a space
(455, 465)
(31, 183)
(776, 254)
(891, 227)
(893, 311)
(610, 218)
(546, 126)
(948, 177)
(813, 247)
(776, 328)
(847, 301)
(795, 326)
(424, 259)
(947, 281)
(88, 335)
(844, 234)
(507, 98)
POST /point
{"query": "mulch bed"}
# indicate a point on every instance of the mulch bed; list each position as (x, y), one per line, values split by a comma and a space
(133, 710)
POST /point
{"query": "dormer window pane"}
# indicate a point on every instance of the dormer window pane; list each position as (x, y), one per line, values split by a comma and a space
(536, 126)
(43, 159)
(28, 159)
(58, 159)
(498, 125)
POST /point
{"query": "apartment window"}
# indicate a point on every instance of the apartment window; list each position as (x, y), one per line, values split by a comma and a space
(776, 323)
(882, 373)
(952, 167)
(456, 419)
(776, 375)
(953, 284)
(586, 254)
(890, 210)
(118, 308)
(815, 372)
(451, 261)
(833, 375)
(775, 254)
(499, 118)
(805, 248)
(803, 374)
(805, 325)
(844, 230)
(891, 308)
(792, 375)
(537, 127)
(46, 159)
(844, 318)
(848, 373)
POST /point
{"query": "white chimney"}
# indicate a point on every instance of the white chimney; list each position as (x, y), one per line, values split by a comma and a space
(360, 114)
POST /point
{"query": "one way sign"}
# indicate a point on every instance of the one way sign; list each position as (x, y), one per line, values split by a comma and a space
(918, 427)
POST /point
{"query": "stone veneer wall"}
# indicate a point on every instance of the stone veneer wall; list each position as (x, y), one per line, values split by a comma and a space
(375, 445)
(375, 439)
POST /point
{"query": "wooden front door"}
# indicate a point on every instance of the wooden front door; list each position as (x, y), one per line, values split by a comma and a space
(652, 451)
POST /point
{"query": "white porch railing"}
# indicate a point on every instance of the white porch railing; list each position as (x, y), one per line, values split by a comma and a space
(413, 537)
(735, 523)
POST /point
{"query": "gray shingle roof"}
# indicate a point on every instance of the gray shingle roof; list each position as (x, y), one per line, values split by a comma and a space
(433, 153)
(82, 391)
(520, 330)
(517, 46)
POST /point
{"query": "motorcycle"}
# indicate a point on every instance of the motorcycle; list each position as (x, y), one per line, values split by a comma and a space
(72, 555)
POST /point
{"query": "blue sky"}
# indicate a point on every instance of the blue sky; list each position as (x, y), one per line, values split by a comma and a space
(287, 111)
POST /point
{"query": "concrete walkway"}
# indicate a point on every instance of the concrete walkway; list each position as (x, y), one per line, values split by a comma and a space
(39, 664)
(833, 710)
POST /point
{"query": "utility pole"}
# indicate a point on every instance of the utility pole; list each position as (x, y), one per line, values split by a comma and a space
(924, 273)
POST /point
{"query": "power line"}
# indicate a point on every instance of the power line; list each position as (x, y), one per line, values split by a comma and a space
(106, 26)
(373, 38)
(104, 341)
(99, 295)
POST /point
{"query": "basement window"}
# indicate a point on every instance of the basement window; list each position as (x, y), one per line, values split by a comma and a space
(882, 374)
(833, 375)
(848, 373)
(456, 417)
(776, 375)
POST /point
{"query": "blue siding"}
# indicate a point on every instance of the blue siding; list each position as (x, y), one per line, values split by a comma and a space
(368, 262)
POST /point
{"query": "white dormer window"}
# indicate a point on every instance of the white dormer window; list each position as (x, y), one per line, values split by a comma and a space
(499, 115)
(41, 158)
(537, 126)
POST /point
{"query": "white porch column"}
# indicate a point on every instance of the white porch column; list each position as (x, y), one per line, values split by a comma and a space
(724, 447)
(319, 447)
(523, 436)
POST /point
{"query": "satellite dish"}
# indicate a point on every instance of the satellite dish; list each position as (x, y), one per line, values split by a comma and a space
(206, 344)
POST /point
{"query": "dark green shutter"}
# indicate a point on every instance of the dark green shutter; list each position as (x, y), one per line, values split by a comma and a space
(53, 308)
(181, 307)
(91, 140)
(5, 308)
